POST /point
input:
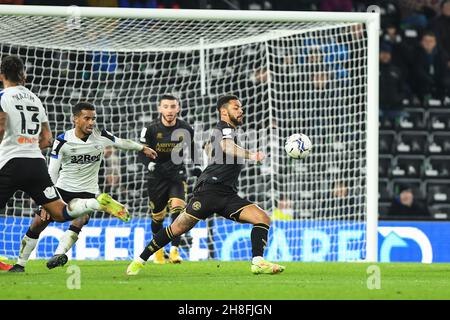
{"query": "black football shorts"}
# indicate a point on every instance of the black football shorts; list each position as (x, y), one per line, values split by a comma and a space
(210, 198)
(161, 190)
(68, 196)
(29, 175)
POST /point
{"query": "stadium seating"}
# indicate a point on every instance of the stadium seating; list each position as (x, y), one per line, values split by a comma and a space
(414, 150)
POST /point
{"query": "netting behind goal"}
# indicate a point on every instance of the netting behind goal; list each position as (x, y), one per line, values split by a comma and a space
(292, 77)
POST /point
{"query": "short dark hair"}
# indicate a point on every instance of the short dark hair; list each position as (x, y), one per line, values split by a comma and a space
(76, 110)
(168, 97)
(225, 99)
(404, 187)
(13, 69)
(428, 33)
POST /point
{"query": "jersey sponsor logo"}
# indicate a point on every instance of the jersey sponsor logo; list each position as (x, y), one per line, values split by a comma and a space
(196, 205)
(25, 140)
(168, 147)
(50, 193)
(85, 158)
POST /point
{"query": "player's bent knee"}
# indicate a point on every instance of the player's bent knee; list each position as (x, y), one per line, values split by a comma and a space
(176, 205)
(38, 225)
(56, 209)
(57, 218)
(254, 215)
(159, 217)
(263, 218)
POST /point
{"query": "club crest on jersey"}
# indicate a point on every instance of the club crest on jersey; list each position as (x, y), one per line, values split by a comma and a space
(227, 131)
(159, 135)
(84, 159)
(196, 205)
(50, 193)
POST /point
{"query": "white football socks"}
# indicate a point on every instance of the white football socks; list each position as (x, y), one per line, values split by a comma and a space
(27, 246)
(66, 242)
(255, 260)
(79, 207)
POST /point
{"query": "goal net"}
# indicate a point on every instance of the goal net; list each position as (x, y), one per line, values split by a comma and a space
(294, 72)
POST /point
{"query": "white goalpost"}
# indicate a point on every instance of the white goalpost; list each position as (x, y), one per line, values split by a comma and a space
(309, 72)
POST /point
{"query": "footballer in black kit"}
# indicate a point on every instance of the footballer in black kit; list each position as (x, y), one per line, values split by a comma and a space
(216, 188)
(167, 188)
(216, 192)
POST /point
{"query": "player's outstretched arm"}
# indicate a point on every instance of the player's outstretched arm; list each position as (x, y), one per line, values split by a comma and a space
(46, 137)
(126, 144)
(149, 152)
(229, 147)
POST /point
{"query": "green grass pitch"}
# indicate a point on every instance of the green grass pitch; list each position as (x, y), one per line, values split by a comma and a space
(216, 280)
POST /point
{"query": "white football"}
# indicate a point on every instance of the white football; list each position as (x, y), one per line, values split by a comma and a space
(298, 146)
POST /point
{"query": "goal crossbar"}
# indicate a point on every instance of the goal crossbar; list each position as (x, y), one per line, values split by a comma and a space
(189, 14)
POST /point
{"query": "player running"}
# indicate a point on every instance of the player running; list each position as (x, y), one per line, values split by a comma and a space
(166, 179)
(24, 132)
(74, 167)
(216, 192)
